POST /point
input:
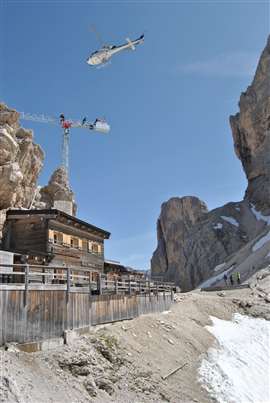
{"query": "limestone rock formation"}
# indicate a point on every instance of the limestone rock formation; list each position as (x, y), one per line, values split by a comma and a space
(176, 218)
(251, 133)
(58, 193)
(194, 244)
(21, 161)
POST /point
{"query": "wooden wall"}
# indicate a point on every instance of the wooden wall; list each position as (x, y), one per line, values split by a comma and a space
(26, 235)
(47, 313)
(30, 235)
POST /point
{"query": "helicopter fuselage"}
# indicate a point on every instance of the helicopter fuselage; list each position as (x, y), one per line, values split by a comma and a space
(104, 54)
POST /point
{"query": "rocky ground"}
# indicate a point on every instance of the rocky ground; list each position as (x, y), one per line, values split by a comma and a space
(132, 361)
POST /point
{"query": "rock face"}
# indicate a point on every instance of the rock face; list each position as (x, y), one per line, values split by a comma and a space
(21, 161)
(58, 193)
(251, 133)
(176, 218)
(194, 244)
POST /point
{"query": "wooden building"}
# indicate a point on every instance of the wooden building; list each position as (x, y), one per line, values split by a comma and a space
(115, 269)
(52, 237)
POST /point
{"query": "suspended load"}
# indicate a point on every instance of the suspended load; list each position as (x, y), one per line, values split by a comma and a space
(100, 125)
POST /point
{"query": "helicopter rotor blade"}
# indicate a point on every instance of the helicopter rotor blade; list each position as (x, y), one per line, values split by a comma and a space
(97, 34)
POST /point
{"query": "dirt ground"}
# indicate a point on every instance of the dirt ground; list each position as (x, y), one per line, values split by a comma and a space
(132, 361)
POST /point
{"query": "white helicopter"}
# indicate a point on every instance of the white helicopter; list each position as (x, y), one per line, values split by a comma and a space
(102, 56)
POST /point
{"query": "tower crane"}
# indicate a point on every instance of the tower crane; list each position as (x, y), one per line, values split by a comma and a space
(99, 125)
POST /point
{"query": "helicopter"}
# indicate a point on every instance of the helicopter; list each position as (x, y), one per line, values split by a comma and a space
(103, 55)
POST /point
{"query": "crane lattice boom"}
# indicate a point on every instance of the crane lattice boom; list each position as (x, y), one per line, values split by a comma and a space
(99, 125)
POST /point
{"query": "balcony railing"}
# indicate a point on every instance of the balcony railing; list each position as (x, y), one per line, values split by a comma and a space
(27, 277)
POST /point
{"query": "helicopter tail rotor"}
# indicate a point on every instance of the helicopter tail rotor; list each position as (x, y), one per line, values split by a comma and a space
(130, 44)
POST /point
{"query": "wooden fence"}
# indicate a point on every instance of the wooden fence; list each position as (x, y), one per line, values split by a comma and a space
(33, 311)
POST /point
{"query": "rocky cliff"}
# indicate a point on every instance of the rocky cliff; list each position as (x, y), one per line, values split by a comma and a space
(21, 161)
(194, 244)
(251, 133)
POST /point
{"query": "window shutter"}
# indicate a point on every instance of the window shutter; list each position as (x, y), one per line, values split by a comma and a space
(51, 233)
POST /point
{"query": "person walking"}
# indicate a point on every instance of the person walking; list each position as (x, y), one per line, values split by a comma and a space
(238, 277)
(231, 279)
(225, 278)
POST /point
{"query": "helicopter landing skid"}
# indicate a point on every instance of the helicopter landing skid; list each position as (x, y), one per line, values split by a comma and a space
(104, 64)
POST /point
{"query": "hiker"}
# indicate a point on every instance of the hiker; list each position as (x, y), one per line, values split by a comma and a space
(225, 278)
(238, 277)
(231, 279)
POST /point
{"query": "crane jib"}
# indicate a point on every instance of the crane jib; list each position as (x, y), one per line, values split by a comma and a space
(99, 125)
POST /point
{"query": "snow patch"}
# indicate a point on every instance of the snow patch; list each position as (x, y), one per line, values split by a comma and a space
(261, 242)
(218, 226)
(259, 216)
(237, 370)
(230, 220)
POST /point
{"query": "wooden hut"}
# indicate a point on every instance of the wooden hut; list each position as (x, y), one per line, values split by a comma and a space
(55, 238)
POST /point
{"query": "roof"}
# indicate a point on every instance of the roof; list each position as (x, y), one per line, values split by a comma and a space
(126, 269)
(55, 214)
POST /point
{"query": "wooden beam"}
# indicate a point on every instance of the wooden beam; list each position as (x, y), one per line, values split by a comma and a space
(26, 283)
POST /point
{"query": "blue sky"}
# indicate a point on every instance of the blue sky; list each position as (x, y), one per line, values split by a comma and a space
(168, 103)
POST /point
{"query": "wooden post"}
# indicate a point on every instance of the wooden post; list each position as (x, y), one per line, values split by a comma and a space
(157, 289)
(43, 277)
(26, 283)
(171, 293)
(90, 286)
(68, 284)
(99, 284)
(129, 285)
(116, 286)
(149, 287)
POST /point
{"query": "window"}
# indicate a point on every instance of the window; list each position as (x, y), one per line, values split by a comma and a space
(57, 237)
(84, 245)
(66, 240)
(74, 242)
(60, 236)
(95, 248)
